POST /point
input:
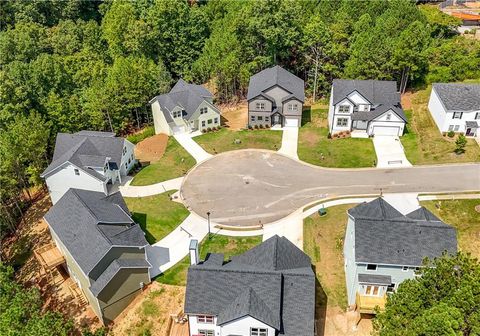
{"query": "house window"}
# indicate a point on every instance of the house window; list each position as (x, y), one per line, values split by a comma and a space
(391, 288)
(252, 118)
(259, 118)
(372, 290)
(124, 150)
(260, 106)
(129, 160)
(342, 122)
(450, 128)
(477, 116)
(203, 110)
(216, 121)
(389, 116)
(258, 332)
(209, 121)
(343, 109)
(203, 123)
(456, 128)
(405, 268)
(457, 115)
(205, 319)
(206, 332)
(292, 107)
(372, 267)
(267, 118)
(77, 172)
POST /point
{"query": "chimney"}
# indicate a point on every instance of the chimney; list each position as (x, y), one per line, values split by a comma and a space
(193, 249)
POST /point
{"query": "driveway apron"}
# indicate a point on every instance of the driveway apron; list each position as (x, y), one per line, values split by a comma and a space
(289, 142)
(390, 153)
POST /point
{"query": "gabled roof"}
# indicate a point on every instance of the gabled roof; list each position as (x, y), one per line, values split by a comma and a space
(185, 96)
(458, 96)
(89, 223)
(383, 237)
(272, 283)
(276, 75)
(86, 150)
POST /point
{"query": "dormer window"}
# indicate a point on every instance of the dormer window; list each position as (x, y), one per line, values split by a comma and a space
(203, 110)
(260, 106)
(76, 171)
(389, 116)
(205, 319)
(343, 109)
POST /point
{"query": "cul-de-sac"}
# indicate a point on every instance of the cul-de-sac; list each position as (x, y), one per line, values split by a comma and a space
(240, 168)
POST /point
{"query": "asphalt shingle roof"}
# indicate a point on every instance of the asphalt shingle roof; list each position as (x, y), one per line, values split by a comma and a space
(276, 75)
(273, 282)
(459, 97)
(376, 279)
(383, 95)
(382, 237)
(86, 150)
(89, 223)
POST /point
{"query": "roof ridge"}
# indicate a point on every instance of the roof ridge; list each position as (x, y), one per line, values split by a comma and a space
(275, 248)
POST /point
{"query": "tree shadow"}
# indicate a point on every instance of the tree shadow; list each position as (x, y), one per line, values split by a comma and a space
(306, 115)
(141, 219)
(321, 300)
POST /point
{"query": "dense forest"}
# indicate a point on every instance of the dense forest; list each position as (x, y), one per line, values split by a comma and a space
(70, 65)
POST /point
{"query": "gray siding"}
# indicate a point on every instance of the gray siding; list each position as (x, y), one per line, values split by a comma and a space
(116, 253)
(278, 94)
(287, 112)
(252, 105)
(266, 118)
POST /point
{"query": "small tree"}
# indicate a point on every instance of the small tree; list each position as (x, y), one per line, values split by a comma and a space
(460, 144)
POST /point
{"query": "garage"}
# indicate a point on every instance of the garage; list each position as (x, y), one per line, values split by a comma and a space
(291, 122)
(386, 130)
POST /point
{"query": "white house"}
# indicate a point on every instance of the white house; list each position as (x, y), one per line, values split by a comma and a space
(456, 107)
(365, 108)
(88, 160)
(186, 108)
(266, 291)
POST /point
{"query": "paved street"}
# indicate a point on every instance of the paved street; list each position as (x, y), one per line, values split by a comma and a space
(254, 187)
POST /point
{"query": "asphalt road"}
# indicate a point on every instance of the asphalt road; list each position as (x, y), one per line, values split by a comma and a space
(256, 187)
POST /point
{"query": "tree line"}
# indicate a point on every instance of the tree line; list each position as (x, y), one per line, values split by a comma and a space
(72, 65)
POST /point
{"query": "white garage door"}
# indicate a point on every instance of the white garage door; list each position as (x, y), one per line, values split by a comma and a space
(386, 130)
(291, 122)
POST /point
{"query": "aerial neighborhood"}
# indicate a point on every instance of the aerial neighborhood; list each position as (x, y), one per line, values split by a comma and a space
(223, 168)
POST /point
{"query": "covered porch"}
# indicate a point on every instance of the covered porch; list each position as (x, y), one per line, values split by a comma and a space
(471, 128)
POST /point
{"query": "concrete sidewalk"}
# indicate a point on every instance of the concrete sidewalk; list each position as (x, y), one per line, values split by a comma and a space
(289, 142)
(390, 153)
(128, 190)
(198, 153)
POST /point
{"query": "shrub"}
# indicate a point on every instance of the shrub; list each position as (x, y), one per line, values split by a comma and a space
(460, 144)
(267, 126)
(209, 129)
(256, 126)
(204, 130)
(451, 134)
(214, 128)
(145, 133)
(329, 135)
(261, 126)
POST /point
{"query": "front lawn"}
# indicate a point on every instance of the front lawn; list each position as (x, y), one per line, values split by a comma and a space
(323, 242)
(175, 162)
(229, 246)
(224, 140)
(423, 142)
(157, 215)
(314, 146)
(462, 215)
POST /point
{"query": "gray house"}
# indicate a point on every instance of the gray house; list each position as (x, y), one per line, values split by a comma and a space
(88, 160)
(186, 108)
(266, 291)
(365, 108)
(275, 97)
(383, 248)
(103, 247)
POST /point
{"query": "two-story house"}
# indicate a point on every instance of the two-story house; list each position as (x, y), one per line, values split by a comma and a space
(88, 160)
(104, 249)
(186, 108)
(456, 107)
(266, 291)
(275, 97)
(383, 248)
(365, 108)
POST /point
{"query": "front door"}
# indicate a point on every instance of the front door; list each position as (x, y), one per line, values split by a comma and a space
(469, 132)
(276, 119)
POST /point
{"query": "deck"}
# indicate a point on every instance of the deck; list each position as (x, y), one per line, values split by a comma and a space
(366, 304)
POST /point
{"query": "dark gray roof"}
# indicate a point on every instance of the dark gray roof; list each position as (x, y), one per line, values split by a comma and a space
(423, 214)
(276, 75)
(383, 95)
(375, 279)
(457, 96)
(112, 269)
(86, 150)
(273, 282)
(472, 124)
(89, 223)
(184, 95)
(382, 237)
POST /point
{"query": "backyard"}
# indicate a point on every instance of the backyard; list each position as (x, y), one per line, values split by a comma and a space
(157, 215)
(225, 140)
(175, 162)
(423, 142)
(314, 146)
(462, 215)
(229, 246)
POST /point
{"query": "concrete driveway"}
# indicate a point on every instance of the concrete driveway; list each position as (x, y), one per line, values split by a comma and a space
(289, 142)
(390, 153)
(255, 187)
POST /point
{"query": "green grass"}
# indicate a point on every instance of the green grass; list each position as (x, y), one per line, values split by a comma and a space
(174, 163)
(157, 215)
(423, 142)
(323, 242)
(229, 246)
(145, 133)
(223, 140)
(313, 144)
(462, 215)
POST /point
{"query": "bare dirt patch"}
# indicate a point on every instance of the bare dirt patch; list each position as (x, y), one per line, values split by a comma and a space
(234, 116)
(152, 148)
(149, 313)
(406, 100)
